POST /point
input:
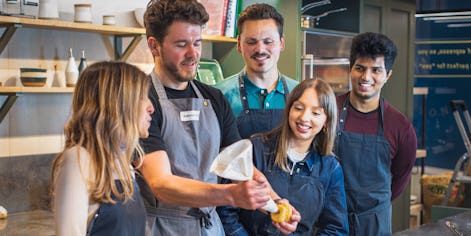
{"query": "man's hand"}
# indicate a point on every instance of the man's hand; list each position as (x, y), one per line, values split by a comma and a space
(251, 194)
(290, 226)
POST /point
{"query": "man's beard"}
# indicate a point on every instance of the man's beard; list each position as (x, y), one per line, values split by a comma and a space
(177, 74)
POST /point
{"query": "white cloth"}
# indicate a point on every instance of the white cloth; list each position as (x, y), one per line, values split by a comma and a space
(235, 162)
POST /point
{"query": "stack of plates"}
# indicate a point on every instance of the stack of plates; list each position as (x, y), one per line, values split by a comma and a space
(33, 77)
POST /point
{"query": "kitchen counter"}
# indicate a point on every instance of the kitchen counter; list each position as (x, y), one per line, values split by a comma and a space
(461, 220)
(38, 223)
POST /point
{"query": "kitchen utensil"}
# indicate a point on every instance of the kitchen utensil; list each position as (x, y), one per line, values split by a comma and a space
(83, 13)
(235, 163)
(48, 9)
(308, 21)
(33, 77)
(314, 4)
(452, 227)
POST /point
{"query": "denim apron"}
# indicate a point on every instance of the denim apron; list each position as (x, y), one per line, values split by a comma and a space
(365, 160)
(304, 192)
(192, 134)
(251, 121)
(121, 218)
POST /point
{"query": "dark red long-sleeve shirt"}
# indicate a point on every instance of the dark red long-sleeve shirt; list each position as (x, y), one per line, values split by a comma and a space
(399, 133)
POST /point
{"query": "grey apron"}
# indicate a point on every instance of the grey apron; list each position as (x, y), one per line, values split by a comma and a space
(251, 121)
(366, 165)
(192, 134)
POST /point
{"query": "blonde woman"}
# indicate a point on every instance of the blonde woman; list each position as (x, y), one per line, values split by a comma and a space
(297, 160)
(93, 185)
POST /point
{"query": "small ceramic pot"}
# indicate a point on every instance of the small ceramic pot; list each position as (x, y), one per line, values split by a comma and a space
(48, 9)
(83, 13)
(109, 20)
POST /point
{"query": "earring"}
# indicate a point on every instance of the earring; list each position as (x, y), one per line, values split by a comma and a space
(324, 129)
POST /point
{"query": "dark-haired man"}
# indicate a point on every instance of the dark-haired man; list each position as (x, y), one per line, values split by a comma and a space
(192, 122)
(376, 143)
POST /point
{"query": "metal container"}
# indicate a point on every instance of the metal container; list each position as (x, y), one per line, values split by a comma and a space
(308, 21)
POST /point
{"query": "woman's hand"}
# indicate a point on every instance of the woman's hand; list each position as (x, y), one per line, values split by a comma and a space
(290, 226)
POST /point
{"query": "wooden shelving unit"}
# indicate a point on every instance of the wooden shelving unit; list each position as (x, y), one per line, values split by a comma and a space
(13, 93)
(112, 36)
(116, 32)
(11, 90)
(109, 33)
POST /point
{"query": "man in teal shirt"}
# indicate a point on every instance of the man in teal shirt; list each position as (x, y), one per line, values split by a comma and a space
(257, 94)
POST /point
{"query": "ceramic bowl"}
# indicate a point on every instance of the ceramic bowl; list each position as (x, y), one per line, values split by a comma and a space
(33, 77)
(139, 15)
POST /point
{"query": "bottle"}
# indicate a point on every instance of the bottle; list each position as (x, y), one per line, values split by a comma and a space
(59, 78)
(83, 62)
(71, 71)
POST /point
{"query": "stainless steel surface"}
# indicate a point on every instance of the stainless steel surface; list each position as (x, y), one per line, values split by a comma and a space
(461, 222)
(330, 58)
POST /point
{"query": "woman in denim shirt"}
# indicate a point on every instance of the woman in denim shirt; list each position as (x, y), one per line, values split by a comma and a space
(297, 159)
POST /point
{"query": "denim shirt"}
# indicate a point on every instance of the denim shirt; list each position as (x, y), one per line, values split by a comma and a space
(333, 218)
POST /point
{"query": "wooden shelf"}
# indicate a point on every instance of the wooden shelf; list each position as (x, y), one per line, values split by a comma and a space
(70, 26)
(220, 39)
(11, 90)
(11, 23)
(112, 36)
(116, 33)
(13, 93)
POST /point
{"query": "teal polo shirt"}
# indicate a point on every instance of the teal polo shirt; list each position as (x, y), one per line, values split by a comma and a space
(274, 100)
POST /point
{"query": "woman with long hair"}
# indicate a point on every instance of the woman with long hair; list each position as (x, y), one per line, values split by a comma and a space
(297, 159)
(93, 185)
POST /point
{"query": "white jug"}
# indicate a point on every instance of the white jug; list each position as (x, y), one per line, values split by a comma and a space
(48, 9)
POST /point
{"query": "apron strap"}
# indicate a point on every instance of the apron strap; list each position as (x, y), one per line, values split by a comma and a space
(204, 217)
(159, 88)
(343, 115)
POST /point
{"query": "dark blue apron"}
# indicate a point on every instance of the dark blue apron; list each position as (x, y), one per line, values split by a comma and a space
(121, 218)
(305, 193)
(366, 164)
(251, 121)
(191, 129)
